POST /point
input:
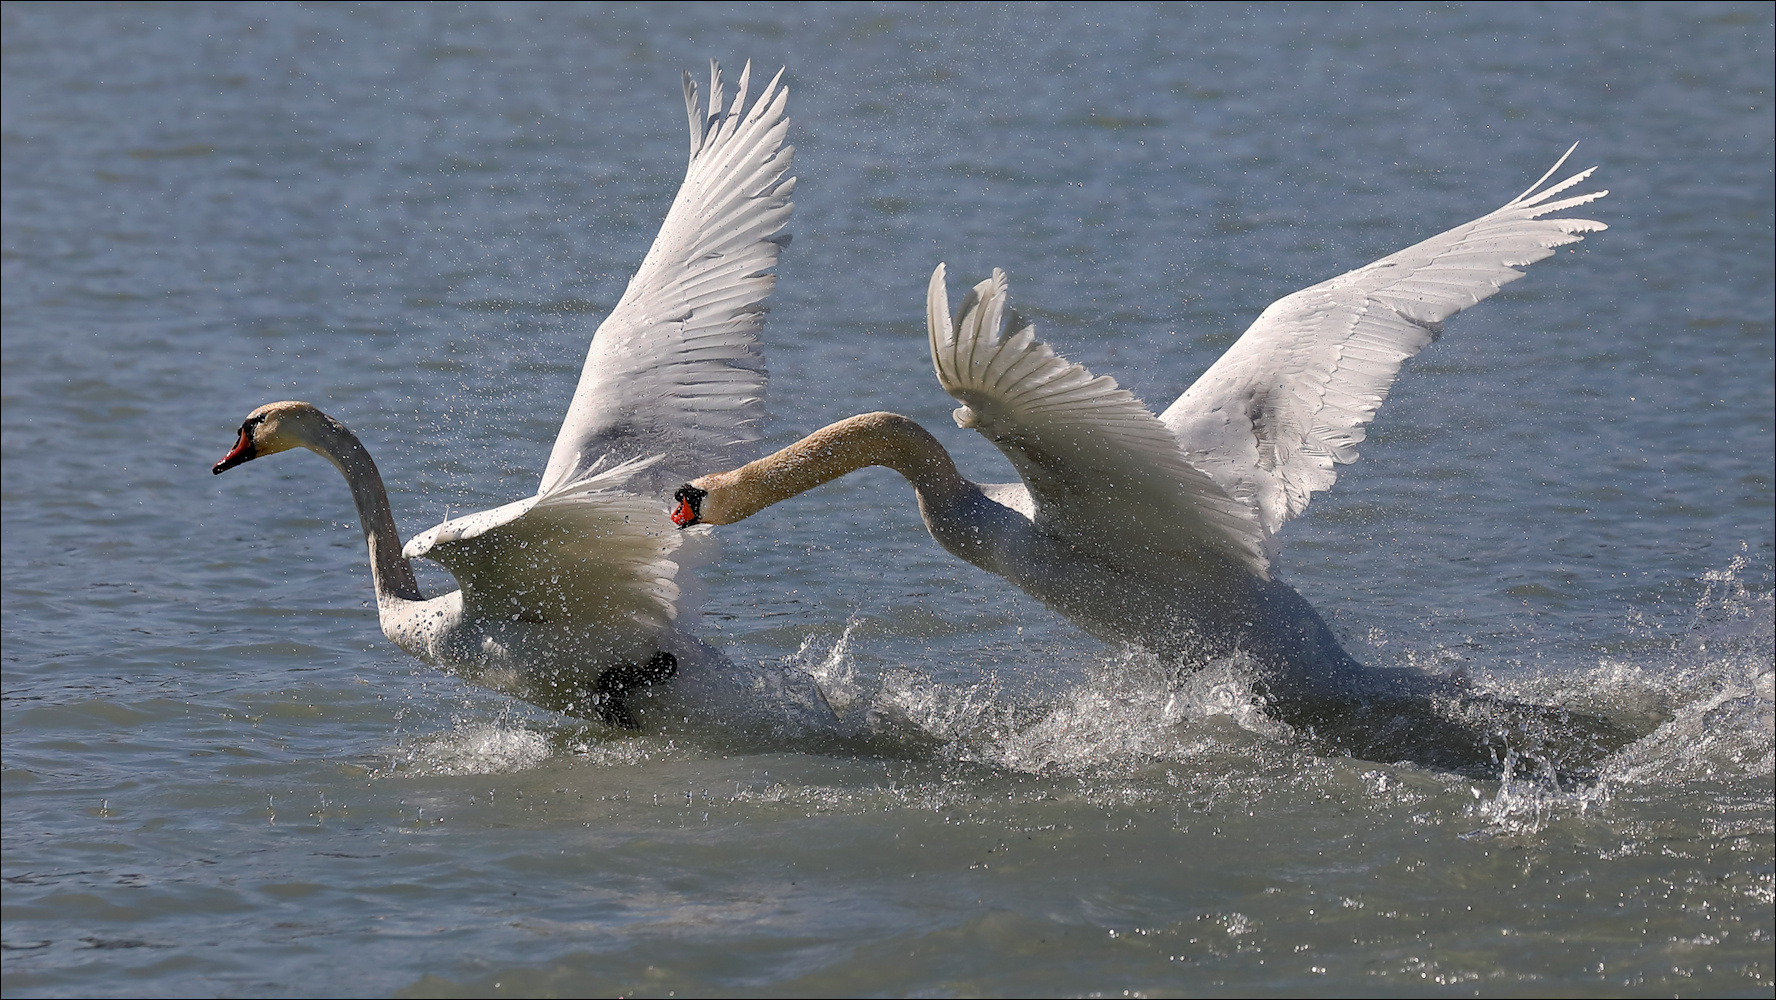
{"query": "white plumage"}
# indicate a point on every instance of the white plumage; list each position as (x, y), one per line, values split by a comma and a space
(1245, 447)
(1290, 400)
(1160, 530)
(559, 588)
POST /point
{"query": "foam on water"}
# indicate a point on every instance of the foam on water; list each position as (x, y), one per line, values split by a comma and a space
(476, 746)
(1553, 739)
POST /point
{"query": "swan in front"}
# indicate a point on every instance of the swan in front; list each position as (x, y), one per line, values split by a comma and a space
(1161, 530)
(568, 598)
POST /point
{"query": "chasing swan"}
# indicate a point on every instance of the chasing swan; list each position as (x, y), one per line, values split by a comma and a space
(1160, 530)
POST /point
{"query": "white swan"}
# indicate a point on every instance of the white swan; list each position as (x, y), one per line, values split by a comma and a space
(568, 597)
(1160, 530)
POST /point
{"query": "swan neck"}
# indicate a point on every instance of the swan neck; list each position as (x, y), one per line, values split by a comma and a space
(886, 439)
(390, 571)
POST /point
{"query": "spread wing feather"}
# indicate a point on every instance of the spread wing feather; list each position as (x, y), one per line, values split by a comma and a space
(1290, 400)
(675, 369)
(673, 382)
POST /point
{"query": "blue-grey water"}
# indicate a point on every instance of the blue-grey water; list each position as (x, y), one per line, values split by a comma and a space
(220, 779)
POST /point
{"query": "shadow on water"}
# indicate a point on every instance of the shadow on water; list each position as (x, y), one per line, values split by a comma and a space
(1443, 725)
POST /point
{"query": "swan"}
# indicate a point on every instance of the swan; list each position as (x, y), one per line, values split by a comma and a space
(1161, 530)
(568, 598)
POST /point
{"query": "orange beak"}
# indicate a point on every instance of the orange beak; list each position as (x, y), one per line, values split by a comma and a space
(690, 506)
(241, 452)
(684, 515)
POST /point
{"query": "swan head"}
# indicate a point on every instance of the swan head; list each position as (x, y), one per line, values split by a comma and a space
(272, 428)
(720, 498)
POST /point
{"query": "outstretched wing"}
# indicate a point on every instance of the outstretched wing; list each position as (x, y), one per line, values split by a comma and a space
(675, 369)
(1097, 462)
(590, 550)
(1290, 399)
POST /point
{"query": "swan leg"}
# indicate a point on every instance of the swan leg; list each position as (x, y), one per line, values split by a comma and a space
(612, 690)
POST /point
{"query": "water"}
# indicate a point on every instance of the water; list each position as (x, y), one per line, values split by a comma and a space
(220, 779)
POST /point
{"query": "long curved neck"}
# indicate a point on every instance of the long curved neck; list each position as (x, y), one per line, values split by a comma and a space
(886, 439)
(391, 572)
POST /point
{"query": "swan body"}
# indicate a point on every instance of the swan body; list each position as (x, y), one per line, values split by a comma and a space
(569, 598)
(1160, 530)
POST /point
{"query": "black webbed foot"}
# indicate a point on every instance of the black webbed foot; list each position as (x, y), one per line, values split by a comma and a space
(615, 683)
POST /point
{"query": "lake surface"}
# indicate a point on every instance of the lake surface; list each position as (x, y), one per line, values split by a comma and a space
(220, 779)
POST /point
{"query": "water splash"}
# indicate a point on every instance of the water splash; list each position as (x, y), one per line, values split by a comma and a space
(1530, 795)
(1135, 708)
(478, 747)
(1555, 741)
(1710, 708)
(1719, 686)
(833, 671)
